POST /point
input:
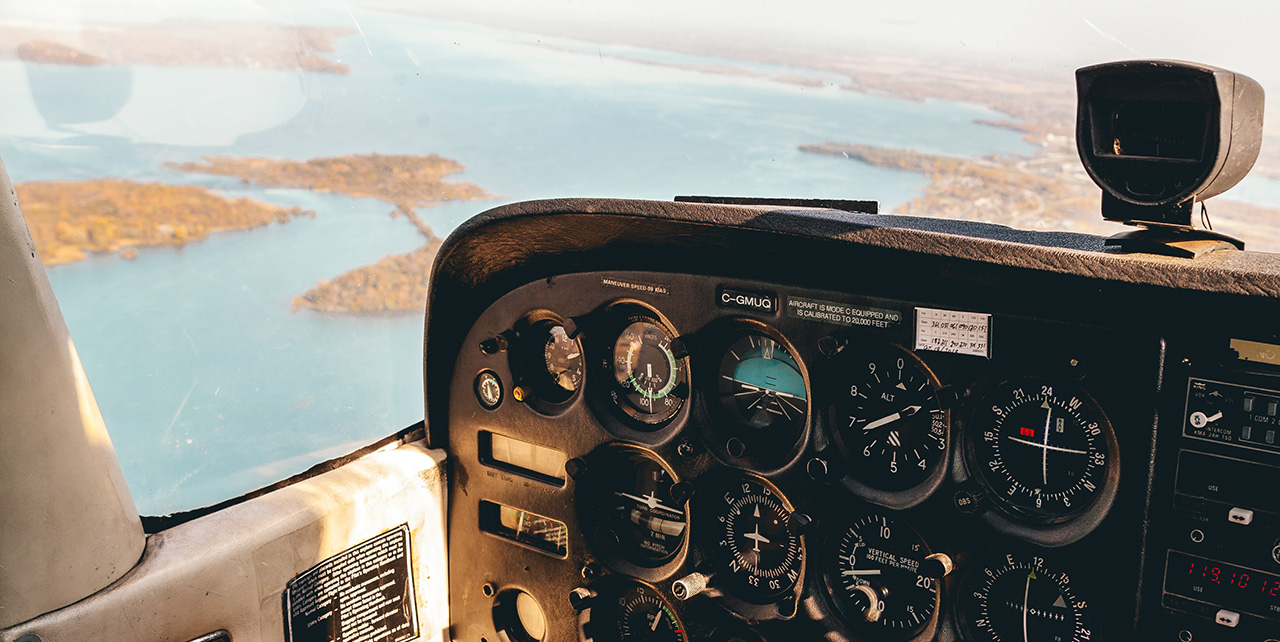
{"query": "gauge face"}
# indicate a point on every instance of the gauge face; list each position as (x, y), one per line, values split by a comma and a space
(757, 550)
(650, 381)
(1019, 600)
(888, 422)
(628, 497)
(633, 612)
(562, 360)
(885, 555)
(1040, 448)
(547, 363)
(762, 395)
(645, 616)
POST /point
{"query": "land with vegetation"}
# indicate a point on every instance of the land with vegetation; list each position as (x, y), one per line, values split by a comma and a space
(70, 219)
(1049, 191)
(397, 283)
(177, 43)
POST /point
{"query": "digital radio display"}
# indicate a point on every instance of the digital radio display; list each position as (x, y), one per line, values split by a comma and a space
(1233, 587)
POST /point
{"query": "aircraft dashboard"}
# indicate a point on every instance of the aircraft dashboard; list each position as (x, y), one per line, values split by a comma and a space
(673, 421)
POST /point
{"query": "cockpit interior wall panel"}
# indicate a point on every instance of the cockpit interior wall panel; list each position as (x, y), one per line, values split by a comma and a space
(728, 422)
(230, 570)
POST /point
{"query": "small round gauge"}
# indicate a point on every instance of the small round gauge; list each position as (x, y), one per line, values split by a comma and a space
(626, 497)
(650, 381)
(888, 422)
(1018, 599)
(762, 394)
(1040, 448)
(547, 363)
(562, 360)
(630, 611)
(757, 551)
(882, 557)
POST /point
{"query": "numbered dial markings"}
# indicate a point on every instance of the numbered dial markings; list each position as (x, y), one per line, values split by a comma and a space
(1040, 448)
(562, 361)
(888, 421)
(634, 612)
(650, 380)
(1019, 600)
(762, 394)
(758, 549)
(628, 497)
(884, 555)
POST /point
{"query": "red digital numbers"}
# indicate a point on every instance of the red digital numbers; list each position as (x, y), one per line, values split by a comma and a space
(1028, 432)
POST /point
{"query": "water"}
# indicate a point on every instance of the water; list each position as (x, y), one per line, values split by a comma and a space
(212, 385)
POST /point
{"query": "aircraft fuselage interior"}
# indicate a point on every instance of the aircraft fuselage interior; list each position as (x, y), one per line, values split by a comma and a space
(731, 420)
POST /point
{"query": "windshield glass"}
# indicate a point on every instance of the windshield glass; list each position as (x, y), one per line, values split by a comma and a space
(238, 203)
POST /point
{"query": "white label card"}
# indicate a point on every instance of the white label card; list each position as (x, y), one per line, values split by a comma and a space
(951, 331)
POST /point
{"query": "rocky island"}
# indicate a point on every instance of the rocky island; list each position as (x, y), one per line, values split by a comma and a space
(397, 283)
(69, 219)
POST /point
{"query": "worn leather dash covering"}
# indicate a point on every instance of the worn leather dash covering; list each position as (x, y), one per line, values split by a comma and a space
(511, 245)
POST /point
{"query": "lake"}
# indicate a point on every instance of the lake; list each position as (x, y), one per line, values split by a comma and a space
(211, 385)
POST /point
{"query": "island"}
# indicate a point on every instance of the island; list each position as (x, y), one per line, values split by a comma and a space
(178, 43)
(56, 53)
(1049, 191)
(397, 283)
(69, 219)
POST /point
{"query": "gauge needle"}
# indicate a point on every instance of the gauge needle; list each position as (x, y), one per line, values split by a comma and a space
(865, 571)
(651, 501)
(1044, 466)
(653, 626)
(1026, 593)
(906, 412)
(1056, 449)
(754, 388)
(757, 537)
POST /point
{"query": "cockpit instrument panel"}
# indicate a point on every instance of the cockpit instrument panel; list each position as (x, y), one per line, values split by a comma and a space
(735, 454)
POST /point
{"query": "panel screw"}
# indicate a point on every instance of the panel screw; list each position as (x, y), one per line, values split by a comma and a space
(685, 448)
(488, 589)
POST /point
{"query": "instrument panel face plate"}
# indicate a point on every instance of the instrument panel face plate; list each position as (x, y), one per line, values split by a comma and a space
(790, 344)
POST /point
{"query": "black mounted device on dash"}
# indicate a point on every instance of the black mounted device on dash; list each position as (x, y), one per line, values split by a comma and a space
(1159, 135)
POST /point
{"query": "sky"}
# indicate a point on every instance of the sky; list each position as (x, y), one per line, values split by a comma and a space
(1055, 36)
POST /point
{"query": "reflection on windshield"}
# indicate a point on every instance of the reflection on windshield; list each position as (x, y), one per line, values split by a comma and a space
(239, 213)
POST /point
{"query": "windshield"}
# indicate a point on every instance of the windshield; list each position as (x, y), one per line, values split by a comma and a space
(238, 203)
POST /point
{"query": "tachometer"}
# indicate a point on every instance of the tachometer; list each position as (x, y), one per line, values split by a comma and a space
(630, 611)
(1040, 448)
